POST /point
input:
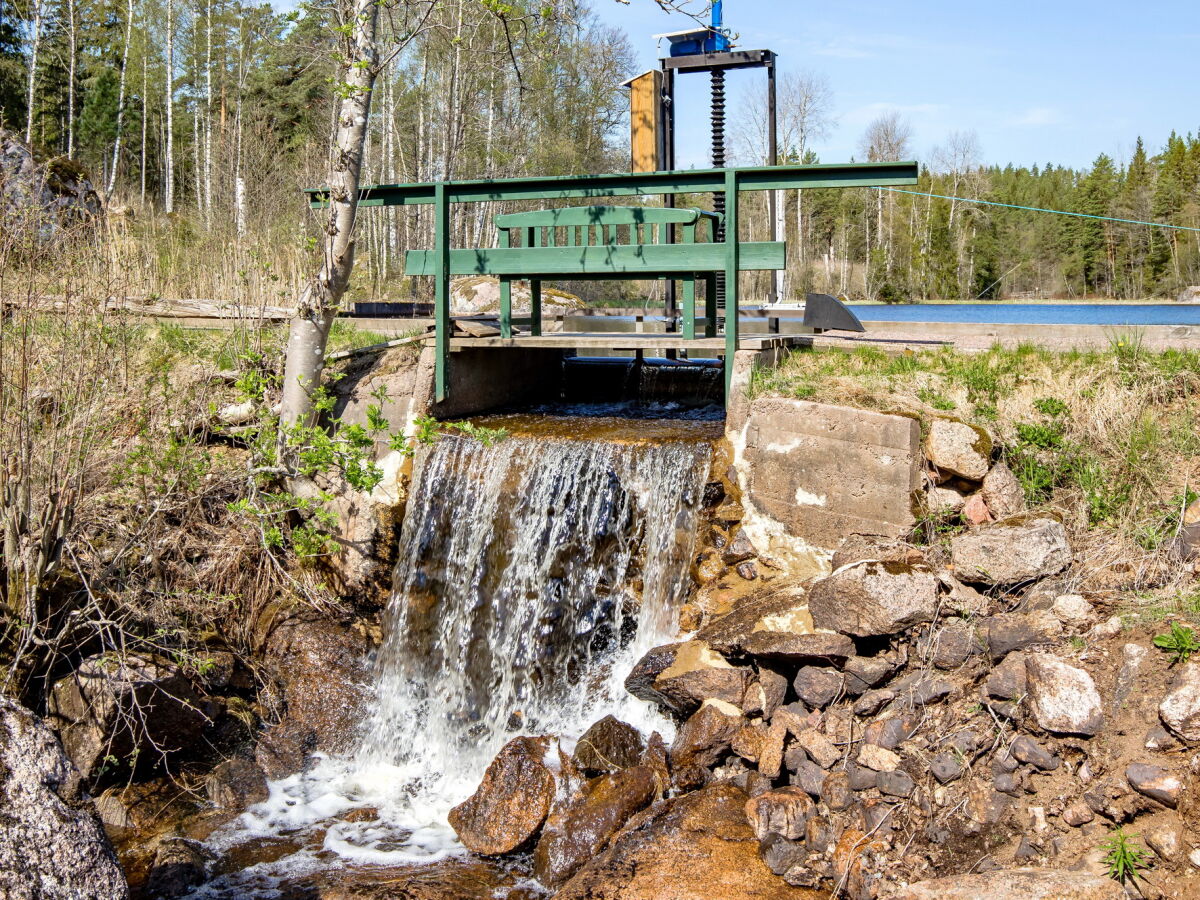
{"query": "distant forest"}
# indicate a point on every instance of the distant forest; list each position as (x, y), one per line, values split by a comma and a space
(203, 118)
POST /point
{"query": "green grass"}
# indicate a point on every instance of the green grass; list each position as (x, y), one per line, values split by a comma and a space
(1111, 437)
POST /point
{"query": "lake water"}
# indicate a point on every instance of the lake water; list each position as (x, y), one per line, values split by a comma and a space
(1034, 313)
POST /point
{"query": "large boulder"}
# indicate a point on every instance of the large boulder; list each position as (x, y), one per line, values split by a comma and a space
(1002, 492)
(698, 846)
(682, 676)
(320, 670)
(956, 448)
(1180, 709)
(511, 803)
(706, 735)
(1064, 699)
(579, 831)
(608, 746)
(1011, 552)
(51, 843)
(116, 711)
(41, 201)
(874, 598)
(775, 624)
(1016, 884)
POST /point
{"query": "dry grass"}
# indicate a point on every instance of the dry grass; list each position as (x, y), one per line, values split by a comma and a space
(1108, 439)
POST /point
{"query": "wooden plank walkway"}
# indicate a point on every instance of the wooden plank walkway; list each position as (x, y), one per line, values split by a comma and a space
(616, 340)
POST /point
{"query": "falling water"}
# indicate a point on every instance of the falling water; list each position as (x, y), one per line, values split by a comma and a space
(533, 573)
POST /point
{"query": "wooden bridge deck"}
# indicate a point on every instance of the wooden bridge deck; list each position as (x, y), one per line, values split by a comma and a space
(615, 340)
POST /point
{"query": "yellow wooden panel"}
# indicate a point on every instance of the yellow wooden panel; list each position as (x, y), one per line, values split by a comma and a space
(645, 124)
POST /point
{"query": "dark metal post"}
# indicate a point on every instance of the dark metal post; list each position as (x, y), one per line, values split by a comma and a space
(667, 107)
(772, 159)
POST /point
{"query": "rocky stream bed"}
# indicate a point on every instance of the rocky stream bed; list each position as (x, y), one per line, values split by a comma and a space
(955, 720)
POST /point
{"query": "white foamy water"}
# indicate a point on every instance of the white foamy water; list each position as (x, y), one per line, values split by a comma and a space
(533, 575)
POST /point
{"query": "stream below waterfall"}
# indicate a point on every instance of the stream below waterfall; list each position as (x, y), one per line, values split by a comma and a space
(532, 575)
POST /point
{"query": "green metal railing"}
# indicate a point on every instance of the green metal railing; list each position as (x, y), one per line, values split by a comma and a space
(442, 194)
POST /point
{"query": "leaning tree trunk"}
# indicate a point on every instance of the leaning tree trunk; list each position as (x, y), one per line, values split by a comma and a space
(309, 327)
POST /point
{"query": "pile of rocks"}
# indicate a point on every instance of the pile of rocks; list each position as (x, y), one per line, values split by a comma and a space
(961, 477)
(889, 723)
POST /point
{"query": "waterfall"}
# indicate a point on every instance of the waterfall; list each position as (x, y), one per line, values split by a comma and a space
(532, 575)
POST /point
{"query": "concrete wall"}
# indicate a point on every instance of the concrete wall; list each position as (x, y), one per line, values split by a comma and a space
(813, 473)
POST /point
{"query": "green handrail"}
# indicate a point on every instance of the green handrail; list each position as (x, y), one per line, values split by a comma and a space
(442, 194)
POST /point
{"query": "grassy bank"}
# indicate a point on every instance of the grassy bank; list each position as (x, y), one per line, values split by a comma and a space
(1108, 440)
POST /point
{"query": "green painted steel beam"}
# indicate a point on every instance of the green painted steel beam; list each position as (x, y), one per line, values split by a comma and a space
(636, 261)
(635, 184)
(441, 273)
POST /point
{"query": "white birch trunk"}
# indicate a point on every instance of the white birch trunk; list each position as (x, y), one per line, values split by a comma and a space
(116, 155)
(317, 306)
(73, 51)
(35, 42)
(169, 99)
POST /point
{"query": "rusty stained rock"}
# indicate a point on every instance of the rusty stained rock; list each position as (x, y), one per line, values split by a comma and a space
(698, 846)
(682, 676)
(511, 803)
(581, 829)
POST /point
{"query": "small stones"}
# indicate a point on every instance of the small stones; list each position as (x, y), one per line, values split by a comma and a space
(1180, 709)
(1158, 738)
(816, 686)
(1074, 611)
(863, 672)
(780, 854)
(770, 753)
(878, 759)
(945, 767)
(1064, 699)
(861, 778)
(921, 689)
(1027, 750)
(810, 777)
(774, 690)
(1166, 840)
(1007, 632)
(896, 783)
(784, 812)
(1078, 813)
(1007, 681)
(873, 701)
(955, 644)
(1155, 782)
(836, 791)
(1003, 492)
(986, 806)
(706, 735)
(818, 747)
(1007, 783)
(893, 731)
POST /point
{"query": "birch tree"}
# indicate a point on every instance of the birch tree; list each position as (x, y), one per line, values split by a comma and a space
(169, 101)
(116, 153)
(35, 41)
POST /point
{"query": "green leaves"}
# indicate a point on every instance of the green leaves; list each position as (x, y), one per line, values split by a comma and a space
(1125, 861)
(1180, 641)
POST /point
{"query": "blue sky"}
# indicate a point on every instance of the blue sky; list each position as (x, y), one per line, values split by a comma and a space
(1059, 80)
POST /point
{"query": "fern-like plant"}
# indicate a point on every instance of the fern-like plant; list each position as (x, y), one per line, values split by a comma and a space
(1125, 860)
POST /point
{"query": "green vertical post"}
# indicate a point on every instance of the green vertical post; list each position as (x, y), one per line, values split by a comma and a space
(535, 307)
(505, 294)
(689, 291)
(710, 305)
(441, 227)
(731, 275)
